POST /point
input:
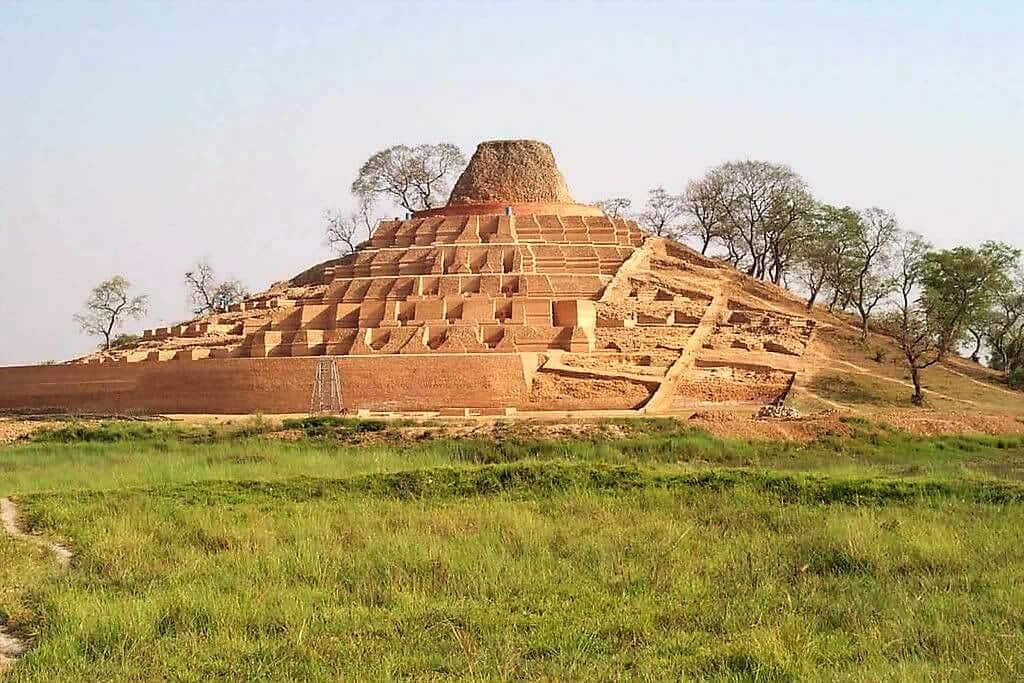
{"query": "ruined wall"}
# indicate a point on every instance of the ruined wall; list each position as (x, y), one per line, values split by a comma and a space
(268, 385)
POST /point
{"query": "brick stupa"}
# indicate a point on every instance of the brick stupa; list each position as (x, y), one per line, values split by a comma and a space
(510, 297)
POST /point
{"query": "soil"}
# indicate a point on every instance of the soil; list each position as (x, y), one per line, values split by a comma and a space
(11, 430)
(558, 391)
(925, 422)
(804, 429)
(10, 649)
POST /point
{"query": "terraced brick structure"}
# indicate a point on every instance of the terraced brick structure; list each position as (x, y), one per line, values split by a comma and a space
(512, 297)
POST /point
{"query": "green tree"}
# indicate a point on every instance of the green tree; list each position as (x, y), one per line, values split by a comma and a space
(822, 259)
(967, 283)
(109, 305)
(125, 341)
(1004, 330)
(941, 294)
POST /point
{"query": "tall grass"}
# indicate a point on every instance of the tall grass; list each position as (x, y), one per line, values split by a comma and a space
(648, 551)
(583, 583)
(111, 455)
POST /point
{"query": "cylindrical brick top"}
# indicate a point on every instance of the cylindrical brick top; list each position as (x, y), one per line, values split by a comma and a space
(518, 209)
(504, 172)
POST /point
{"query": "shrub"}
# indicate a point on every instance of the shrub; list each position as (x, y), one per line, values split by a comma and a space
(105, 432)
(125, 341)
(333, 427)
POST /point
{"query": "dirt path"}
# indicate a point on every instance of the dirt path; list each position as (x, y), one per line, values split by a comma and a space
(987, 385)
(11, 647)
(948, 366)
(832, 404)
(9, 518)
(865, 371)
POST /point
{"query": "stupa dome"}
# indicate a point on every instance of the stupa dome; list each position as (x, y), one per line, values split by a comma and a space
(511, 172)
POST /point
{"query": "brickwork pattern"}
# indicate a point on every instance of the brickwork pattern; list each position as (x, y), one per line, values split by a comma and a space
(537, 304)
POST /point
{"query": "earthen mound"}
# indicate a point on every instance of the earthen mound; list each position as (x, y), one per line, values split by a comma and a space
(548, 306)
(513, 172)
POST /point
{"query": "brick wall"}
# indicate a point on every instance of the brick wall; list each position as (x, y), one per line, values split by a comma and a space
(268, 385)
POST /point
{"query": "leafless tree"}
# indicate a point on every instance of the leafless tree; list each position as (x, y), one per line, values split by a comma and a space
(872, 279)
(614, 207)
(109, 305)
(764, 206)
(207, 294)
(415, 178)
(704, 203)
(923, 335)
(345, 232)
(661, 213)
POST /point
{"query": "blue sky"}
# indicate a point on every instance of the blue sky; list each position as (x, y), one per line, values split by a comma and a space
(139, 137)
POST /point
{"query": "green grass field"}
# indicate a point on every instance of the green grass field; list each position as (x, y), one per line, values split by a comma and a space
(219, 553)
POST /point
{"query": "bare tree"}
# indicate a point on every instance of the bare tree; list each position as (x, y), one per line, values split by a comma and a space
(764, 205)
(345, 232)
(415, 178)
(704, 202)
(207, 294)
(872, 279)
(109, 305)
(614, 207)
(920, 331)
(662, 212)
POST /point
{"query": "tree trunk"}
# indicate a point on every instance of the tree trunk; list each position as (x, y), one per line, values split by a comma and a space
(915, 375)
(976, 354)
(811, 299)
(106, 335)
(835, 300)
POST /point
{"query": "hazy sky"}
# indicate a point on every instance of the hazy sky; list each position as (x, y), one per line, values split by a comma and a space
(138, 137)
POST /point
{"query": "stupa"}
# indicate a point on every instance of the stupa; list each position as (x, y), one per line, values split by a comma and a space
(511, 297)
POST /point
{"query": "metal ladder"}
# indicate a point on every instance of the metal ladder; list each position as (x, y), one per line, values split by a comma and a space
(326, 399)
